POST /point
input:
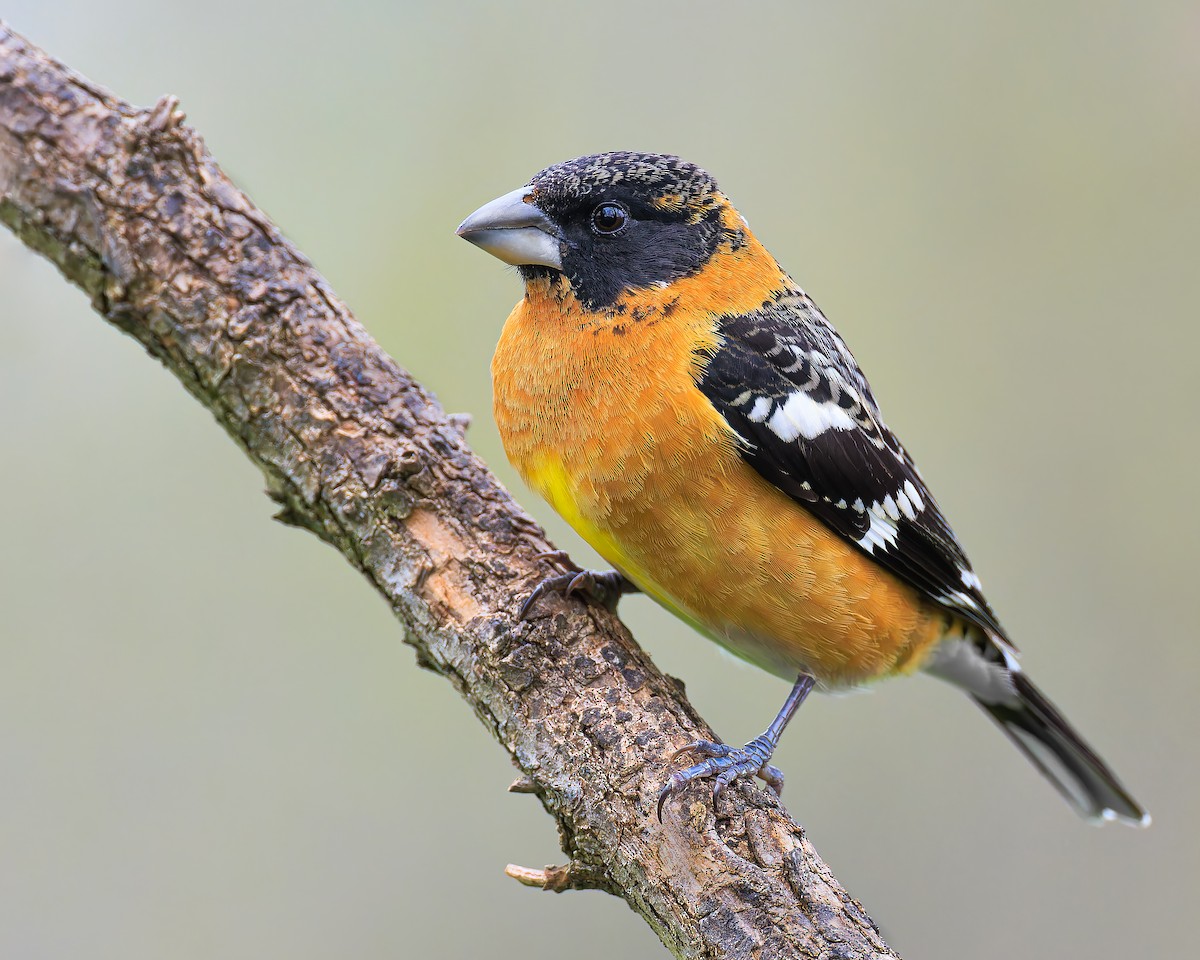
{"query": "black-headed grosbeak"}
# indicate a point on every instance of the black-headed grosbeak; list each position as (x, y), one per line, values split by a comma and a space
(685, 406)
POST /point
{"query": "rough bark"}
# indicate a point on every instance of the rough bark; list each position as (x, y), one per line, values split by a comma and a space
(133, 209)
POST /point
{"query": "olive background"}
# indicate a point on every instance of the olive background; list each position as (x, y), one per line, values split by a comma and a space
(212, 741)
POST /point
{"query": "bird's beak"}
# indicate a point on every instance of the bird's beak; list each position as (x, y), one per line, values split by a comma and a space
(515, 231)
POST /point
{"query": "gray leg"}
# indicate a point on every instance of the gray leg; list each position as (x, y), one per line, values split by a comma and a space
(727, 764)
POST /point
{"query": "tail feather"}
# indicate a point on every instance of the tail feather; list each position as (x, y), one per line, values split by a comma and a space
(1034, 724)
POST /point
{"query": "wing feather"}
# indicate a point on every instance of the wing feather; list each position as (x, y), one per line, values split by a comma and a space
(786, 382)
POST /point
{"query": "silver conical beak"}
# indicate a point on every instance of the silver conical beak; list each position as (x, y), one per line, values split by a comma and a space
(515, 231)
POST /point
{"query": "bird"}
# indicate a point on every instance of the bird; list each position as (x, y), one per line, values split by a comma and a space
(687, 408)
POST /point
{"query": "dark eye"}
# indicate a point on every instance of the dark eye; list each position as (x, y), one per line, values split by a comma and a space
(609, 218)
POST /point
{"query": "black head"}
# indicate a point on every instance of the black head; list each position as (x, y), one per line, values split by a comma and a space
(628, 221)
(607, 224)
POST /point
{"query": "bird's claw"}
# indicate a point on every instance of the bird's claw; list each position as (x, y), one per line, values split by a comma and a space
(559, 558)
(705, 748)
(724, 764)
(604, 587)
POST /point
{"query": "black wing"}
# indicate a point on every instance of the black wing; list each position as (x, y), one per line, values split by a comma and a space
(787, 383)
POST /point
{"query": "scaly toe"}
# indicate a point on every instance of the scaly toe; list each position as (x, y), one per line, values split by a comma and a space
(726, 764)
(583, 582)
(560, 558)
(703, 748)
(773, 778)
(602, 587)
(549, 585)
(720, 782)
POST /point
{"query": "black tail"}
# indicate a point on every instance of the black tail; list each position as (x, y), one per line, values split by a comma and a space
(1034, 725)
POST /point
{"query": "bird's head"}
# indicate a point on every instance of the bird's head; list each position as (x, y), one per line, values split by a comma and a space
(617, 224)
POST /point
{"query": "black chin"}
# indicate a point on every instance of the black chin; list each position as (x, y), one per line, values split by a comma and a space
(535, 271)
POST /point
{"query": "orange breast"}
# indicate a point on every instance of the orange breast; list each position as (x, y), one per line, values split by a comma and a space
(601, 415)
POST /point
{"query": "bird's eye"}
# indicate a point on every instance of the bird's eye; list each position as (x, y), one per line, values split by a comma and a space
(609, 218)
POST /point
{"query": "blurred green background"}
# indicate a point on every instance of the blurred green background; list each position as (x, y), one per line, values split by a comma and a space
(212, 742)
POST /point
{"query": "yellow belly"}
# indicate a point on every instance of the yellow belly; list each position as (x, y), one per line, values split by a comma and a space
(611, 430)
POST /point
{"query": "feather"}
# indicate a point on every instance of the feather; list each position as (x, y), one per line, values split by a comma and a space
(786, 382)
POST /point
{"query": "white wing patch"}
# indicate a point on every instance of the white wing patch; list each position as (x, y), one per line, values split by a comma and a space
(799, 415)
(913, 495)
(881, 533)
(956, 598)
(761, 410)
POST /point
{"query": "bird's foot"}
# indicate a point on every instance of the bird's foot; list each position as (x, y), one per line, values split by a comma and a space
(724, 764)
(604, 587)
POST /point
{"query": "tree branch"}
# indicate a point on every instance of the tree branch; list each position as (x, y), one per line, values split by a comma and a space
(133, 209)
